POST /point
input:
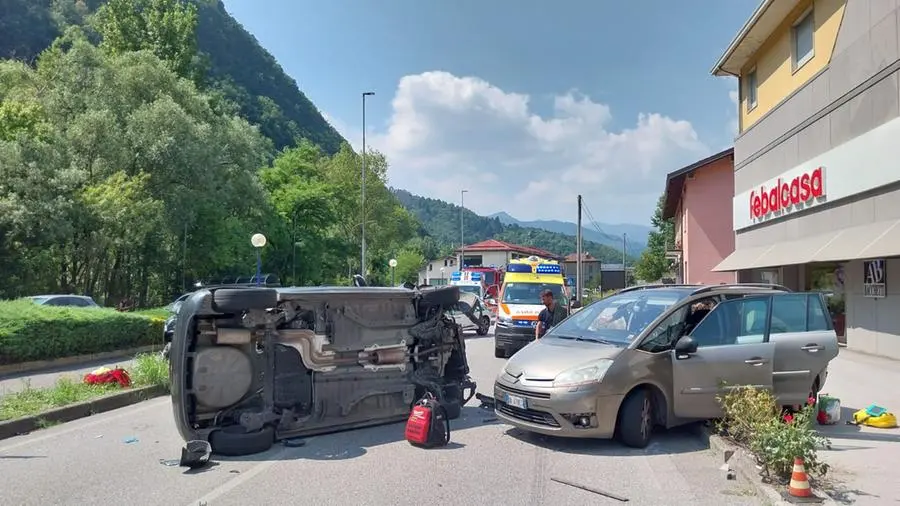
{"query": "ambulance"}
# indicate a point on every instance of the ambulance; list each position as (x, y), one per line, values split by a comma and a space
(469, 282)
(520, 301)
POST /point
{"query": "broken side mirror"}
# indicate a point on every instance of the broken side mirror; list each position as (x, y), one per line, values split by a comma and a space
(685, 347)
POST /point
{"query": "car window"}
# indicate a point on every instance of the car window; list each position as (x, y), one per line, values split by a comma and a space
(817, 319)
(664, 335)
(56, 301)
(789, 313)
(739, 321)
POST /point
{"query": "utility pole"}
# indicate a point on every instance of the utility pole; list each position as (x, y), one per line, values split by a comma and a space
(579, 282)
(362, 263)
(462, 237)
(624, 265)
(184, 260)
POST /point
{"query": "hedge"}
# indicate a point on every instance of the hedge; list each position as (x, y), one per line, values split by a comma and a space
(29, 331)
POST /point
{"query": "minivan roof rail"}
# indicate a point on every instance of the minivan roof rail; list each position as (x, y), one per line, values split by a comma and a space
(655, 285)
(752, 286)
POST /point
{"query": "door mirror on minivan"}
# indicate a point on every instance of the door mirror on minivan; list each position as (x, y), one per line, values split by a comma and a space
(684, 347)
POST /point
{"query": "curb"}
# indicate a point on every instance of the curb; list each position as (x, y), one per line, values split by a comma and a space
(38, 366)
(26, 424)
(743, 463)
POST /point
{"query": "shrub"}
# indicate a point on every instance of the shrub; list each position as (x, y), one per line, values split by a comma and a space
(32, 332)
(752, 418)
(150, 369)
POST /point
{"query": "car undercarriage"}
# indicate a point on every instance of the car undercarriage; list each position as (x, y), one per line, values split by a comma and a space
(250, 366)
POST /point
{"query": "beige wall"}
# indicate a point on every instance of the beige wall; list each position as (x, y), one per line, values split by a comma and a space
(873, 325)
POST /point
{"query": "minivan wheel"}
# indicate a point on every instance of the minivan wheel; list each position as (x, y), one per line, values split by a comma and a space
(636, 419)
(235, 441)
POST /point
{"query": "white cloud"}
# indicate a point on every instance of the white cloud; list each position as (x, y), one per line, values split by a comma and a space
(733, 125)
(447, 133)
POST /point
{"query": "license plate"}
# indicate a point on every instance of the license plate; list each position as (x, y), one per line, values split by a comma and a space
(516, 401)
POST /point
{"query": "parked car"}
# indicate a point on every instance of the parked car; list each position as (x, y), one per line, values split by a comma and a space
(470, 313)
(659, 355)
(64, 300)
(253, 365)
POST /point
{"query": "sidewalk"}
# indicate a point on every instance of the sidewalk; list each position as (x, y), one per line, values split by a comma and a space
(865, 461)
(16, 382)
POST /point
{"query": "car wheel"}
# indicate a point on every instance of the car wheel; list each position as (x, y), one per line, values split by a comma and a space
(233, 300)
(636, 420)
(235, 441)
(445, 297)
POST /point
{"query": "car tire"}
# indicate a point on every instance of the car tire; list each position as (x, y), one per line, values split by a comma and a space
(635, 425)
(235, 300)
(445, 297)
(235, 441)
(499, 352)
(484, 325)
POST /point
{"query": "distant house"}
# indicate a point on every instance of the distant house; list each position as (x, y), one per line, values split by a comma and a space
(437, 272)
(590, 268)
(498, 253)
(489, 253)
(698, 199)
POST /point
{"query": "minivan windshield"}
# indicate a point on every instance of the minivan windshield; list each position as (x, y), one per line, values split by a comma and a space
(530, 293)
(617, 319)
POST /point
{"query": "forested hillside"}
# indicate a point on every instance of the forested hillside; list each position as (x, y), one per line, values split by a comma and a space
(440, 221)
(233, 63)
(126, 171)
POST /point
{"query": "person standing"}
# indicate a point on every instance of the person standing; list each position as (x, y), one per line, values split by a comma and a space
(551, 315)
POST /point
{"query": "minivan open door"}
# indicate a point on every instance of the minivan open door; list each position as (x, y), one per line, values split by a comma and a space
(729, 348)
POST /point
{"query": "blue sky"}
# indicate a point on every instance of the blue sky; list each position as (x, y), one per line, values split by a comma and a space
(524, 103)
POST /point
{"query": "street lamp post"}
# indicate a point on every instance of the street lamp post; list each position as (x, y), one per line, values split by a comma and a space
(442, 276)
(462, 236)
(393, 263)
(362, 264)
(294, 262)
(258, 241)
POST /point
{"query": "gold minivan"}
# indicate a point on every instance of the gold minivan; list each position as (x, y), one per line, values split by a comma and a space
(659, 355)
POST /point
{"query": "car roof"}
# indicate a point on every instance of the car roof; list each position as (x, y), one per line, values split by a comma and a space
(689, 290)
(51, 296)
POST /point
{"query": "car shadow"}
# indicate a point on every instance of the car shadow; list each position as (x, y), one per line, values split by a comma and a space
(684, 439)
(354, 443)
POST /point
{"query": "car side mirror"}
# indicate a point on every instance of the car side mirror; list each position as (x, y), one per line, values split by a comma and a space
(685, 347)
(575, 304)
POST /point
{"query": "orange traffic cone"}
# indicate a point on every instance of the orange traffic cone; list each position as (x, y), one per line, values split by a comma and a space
(799, 485)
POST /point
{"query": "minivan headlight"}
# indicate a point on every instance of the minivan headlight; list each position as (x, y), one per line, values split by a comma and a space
(584, 374)
(504, 319)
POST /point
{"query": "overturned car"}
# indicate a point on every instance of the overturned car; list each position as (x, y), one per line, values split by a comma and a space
(250, 366)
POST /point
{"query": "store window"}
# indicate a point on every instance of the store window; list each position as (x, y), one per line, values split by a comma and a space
(828, 279)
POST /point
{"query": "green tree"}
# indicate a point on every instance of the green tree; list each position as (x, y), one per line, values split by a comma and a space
(168, 28)
(409, 262)
(653, 263)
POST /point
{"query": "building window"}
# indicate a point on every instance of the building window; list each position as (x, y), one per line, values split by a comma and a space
(802, 35)
(750, 87)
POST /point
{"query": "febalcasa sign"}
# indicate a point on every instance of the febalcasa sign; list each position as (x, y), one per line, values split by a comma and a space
(786, 194)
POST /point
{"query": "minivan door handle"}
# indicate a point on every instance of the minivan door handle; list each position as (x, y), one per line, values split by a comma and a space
(812, 347)
(755, 361)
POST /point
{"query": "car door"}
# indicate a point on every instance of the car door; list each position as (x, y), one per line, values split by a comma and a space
(804, 341)
(733, 351)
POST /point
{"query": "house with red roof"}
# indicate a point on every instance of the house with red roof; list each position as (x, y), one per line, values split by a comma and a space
(496, 253)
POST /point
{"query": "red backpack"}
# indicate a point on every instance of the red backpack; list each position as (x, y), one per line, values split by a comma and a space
(428, 425)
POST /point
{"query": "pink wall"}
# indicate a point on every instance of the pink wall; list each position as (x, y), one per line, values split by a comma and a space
(705, 211)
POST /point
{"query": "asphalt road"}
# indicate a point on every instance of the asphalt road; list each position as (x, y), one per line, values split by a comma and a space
(119, 457)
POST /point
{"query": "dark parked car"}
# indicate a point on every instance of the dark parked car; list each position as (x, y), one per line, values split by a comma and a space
(64, 300)
(250, 366)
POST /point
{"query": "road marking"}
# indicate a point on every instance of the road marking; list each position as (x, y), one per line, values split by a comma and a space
(94, 420)
(230, 485)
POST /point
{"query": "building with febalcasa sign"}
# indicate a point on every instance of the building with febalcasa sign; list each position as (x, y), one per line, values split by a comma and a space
(817, 159)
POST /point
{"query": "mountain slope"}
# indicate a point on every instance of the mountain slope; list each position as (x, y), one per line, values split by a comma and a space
(239, 67)
(440, 221)
(609, 235)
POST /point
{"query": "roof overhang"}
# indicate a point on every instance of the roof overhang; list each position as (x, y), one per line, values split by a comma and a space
(755, 32)
(675, 182)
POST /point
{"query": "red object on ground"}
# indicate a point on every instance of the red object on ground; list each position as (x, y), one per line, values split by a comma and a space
(104, 376)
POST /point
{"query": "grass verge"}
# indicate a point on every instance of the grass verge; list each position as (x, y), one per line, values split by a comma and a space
(148, 369)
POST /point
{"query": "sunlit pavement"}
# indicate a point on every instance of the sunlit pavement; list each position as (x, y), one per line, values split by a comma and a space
(118, 458)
